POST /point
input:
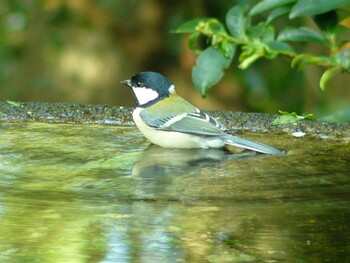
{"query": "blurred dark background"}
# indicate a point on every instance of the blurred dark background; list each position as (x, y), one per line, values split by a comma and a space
(79, 51)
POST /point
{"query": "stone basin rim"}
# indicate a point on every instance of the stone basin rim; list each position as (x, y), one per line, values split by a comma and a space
(75, 113)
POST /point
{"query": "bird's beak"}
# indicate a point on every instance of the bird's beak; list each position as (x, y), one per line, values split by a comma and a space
(126, 82)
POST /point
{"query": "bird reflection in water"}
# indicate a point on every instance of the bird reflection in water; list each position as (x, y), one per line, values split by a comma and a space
(159, 161)
(159, 169)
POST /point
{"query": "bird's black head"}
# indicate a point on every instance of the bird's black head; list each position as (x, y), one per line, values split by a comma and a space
(151, 80)
(149, 87)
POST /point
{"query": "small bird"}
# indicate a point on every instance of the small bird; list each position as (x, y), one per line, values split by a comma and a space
(170, 121)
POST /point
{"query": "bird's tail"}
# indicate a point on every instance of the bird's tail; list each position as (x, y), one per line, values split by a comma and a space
(254, 146)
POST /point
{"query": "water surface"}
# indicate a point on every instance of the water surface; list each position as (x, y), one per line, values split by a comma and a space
(95, 193)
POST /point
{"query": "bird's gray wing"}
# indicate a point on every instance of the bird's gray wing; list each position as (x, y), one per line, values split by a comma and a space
(202, 124)
(197, 123)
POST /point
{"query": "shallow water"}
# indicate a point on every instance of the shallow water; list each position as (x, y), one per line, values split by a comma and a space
(94, 193)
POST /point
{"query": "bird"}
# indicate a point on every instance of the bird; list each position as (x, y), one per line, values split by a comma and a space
(170, 121)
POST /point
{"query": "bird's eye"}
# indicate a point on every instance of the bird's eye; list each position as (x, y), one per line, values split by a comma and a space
(138, 84)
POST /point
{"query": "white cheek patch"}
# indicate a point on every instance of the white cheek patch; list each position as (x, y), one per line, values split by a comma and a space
(144, 95)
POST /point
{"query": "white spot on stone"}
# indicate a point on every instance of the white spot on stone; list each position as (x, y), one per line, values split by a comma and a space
(298, 134)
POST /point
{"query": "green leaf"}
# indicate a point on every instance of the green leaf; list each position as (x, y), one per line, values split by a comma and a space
(216, 39)
(237, 22)
(314, 7)
(343, 59)
(261, 32)
(280, 47)
(190, 26)
(13, 103)
(228, 49)
(212, 27)
(292, 117)
(299, 117)
(301, 34)
(209, 69)
(309, 116)
(327, 75)
(192, 40)
(285, 119)
(265, 5)
(288, 113)
(280, 11)
(303, 60)
(250, 53)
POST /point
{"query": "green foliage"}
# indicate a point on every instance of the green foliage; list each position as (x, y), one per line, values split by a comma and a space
(302, 34)
(315, 7)
(261, 40)
(286, 118)
(13, 103)
(266, 5)
(237, 23)
(210, 65)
